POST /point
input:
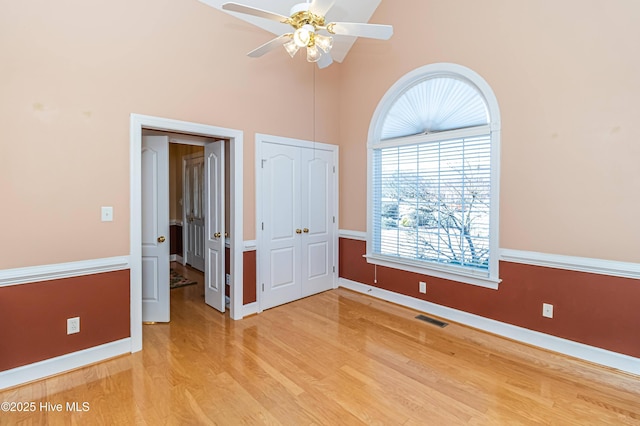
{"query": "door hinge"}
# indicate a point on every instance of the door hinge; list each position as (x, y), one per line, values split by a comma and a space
(334, 219)
(334, 169)
(263, 226)
(263, 161)
(262, 286)
(334, 269)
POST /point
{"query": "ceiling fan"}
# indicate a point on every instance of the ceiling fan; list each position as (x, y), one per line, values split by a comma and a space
(310, 30)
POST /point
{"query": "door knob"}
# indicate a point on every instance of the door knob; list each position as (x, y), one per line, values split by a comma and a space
(305, 230)
(217, 235)
(161, 239)
(226, 234)
(298, 231)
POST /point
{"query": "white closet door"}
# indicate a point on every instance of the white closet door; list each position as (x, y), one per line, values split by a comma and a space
(297, 244)
(317, 211)
(280, 257)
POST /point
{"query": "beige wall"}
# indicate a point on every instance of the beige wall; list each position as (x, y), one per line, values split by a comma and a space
(71, 75)
(566, 76)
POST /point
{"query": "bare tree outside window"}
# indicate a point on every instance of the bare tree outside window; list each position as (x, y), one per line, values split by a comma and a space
(434, 202)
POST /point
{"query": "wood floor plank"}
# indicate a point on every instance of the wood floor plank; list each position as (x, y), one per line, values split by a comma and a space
(331, 359)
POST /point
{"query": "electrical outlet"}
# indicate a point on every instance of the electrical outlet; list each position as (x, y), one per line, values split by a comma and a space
(547, 310)
(73, 325)
(423, 287)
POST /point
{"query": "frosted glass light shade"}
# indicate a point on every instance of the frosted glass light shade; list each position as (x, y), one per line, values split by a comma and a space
(292, 48)
(313, 54)
(323, 42)
(302, 36)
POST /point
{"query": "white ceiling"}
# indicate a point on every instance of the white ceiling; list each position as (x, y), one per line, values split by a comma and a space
(341, 11)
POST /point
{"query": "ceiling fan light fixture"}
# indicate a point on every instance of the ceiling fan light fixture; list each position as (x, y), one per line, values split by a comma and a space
(302, 36)
(323, 42)
(292, 48)
(306, 19)
(313, 54)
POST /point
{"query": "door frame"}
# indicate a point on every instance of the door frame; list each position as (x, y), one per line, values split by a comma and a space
(137, 123)
(261, 139)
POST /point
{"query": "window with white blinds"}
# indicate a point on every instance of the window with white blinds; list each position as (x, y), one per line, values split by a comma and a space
(433, 182)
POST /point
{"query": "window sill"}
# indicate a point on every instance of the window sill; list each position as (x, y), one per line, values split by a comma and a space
(448, 273)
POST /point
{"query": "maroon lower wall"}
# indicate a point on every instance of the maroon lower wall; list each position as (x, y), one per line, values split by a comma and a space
(249, 281)
(33, 316)
(175, 239)
(248, 272)
(597, 310)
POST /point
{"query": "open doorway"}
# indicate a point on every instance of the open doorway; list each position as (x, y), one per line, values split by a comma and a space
(235, 210)
(196, 217)
(209, 183)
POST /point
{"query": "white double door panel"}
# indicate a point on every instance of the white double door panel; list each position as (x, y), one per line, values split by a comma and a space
(214, 232)
(298, 209)
(194, 198)
(155, 229)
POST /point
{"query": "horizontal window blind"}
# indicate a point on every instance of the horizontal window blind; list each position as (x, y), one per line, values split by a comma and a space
(431, 202)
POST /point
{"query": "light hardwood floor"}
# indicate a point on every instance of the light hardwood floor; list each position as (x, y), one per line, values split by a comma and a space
(337, 358)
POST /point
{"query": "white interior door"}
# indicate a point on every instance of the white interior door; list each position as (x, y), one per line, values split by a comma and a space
(155, 228)
(318, 221)
(214, 225)
(194, 211)
(281, 228)
(297, 244)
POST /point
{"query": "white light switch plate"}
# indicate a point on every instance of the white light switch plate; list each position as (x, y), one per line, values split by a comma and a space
(107, 214)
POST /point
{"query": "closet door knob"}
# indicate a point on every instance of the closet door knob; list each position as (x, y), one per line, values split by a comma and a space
(305, 230)
(298, 231)
(161, 239)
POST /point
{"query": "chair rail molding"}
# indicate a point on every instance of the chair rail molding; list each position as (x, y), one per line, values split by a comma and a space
(31, 274)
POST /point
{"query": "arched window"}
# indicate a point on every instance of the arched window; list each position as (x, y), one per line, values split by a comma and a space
(433, 176)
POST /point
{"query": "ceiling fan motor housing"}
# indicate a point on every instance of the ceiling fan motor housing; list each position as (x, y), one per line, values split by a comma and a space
(301, 15)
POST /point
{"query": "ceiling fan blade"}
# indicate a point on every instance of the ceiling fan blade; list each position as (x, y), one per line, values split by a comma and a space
(382, 32)
(324, 61)
(248, 10)
(269, 46)
(321, 7)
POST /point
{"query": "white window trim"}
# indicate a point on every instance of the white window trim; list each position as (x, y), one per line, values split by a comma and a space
(374, 142)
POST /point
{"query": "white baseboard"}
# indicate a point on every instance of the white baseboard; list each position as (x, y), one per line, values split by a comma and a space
(60, 364)
(250, 309)
(567, 347)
